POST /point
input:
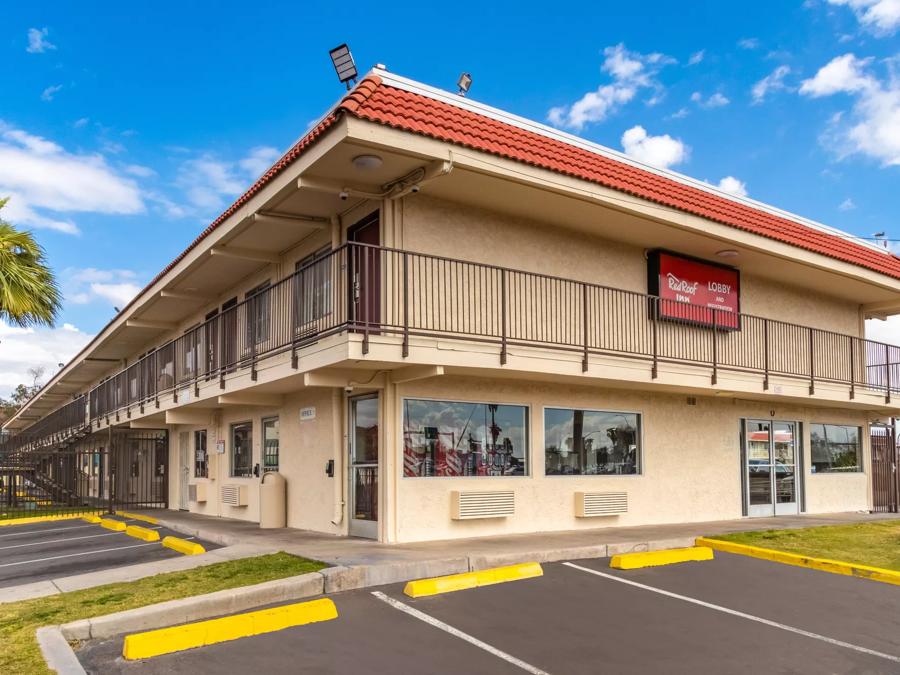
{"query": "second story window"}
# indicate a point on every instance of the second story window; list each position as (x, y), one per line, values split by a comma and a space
(257, 313)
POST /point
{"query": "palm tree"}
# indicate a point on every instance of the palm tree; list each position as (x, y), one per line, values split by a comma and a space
(29, 294)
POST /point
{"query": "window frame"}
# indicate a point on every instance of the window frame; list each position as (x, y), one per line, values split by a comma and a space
(860, 451)
(231, 469)
(201, 467)
(528, 455)
(265, 454)
(641, 458)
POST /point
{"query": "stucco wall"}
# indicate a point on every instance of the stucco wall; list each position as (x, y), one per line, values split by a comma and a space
(691, 463)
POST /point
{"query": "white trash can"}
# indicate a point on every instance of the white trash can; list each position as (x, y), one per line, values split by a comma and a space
(272, 500)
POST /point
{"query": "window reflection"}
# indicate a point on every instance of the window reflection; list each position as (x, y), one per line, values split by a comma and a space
(591, 442)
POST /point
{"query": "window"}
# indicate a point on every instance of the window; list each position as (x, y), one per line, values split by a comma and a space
(835, 448)
(449, 438)
(257, 312)
(312, 288)
(270, 444)
(201, 459)
(241, 449)
(591, 442)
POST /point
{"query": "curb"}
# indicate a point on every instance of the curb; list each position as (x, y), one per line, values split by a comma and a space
(141, 533)
(182, 545)
(39, 519)
(115, 525)
(821, 564)
(57, 653)
(634, 561)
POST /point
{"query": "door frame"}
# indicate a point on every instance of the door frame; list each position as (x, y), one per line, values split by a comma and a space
(799, 503)
(358, 527)
(364, 275)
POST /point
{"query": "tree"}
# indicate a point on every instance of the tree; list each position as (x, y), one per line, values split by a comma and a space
(29, 294)
(21, 395)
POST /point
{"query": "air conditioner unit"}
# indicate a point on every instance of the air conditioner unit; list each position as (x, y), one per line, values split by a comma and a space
(472, 505)
(197, 492)
(591, 504)
(234, 495)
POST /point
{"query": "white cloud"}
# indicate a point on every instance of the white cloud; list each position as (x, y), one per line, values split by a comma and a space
(716, 100)
(774, 81)
(748, 43)
(139, 170)
(117, 294)
(847, 205)
(681, 113)
(115, 287)
(660, 151)
(259, 159)
(872, 128)
(630, 72)
(881, 17)
(50, 92)
(81, 122)
(733, 186)
(696, 57)
(884, 331)
(39, 175)
(37, 41)
(25, 348)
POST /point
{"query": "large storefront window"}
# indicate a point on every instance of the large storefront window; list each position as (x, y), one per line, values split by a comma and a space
(578, 442)
(835, 448)
(450, 438)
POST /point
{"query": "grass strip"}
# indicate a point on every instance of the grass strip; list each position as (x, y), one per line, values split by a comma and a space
(876, 544)
(20, 654)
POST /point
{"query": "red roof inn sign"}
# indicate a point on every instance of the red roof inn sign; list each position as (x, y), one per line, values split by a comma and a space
(689, 289)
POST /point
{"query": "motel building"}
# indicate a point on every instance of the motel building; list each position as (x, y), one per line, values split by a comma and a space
(434, 320)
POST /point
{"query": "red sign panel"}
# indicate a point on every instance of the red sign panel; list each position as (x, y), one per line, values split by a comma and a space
(691, 289)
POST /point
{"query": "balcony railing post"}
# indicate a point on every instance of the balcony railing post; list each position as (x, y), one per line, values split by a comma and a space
(654, 330)
(405, 304)
(766, 354)
(220, 320)
(253, 321)
(852, 368)
(503, 318)
(584, 323)
(812, 362)
(297, 297)
(715, 348)
(887, 365)
(196, 359)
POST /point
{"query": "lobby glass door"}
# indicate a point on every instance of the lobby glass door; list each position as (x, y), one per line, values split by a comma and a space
(771, 468)
(364, 466)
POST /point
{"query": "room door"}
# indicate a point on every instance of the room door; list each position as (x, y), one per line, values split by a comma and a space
(363, 489)
(365, 273)
(771, 465)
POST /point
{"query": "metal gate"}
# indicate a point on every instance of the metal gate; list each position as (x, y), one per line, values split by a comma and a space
(103, 472)
(885, 480)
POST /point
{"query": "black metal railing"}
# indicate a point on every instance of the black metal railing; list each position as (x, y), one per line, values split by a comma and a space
(370, 290)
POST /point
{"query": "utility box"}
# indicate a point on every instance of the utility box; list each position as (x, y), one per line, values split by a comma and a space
(272, 501)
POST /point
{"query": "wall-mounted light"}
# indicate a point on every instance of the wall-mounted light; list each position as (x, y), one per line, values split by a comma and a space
(367, 162)
(728, 253)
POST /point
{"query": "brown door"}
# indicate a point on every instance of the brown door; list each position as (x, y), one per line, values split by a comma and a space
(365, 273)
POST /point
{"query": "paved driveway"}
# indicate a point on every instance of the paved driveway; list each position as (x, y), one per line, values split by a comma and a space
(731, 615)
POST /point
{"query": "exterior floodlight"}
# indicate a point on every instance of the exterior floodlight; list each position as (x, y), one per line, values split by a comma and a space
(343, 63)
(464, 82)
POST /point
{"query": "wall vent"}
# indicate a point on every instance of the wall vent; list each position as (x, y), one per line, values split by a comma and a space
(234, 495)
(197, 492)
(472, 505)
(590, 504)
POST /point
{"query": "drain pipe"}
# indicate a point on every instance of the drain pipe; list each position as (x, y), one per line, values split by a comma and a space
(337, 406)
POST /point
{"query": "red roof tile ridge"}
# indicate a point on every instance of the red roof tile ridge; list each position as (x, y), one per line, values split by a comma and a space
(360, 93)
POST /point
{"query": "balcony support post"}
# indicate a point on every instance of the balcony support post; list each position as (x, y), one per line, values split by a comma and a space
(585, 318)
(196, 359)
(503, 326)
(367, 317)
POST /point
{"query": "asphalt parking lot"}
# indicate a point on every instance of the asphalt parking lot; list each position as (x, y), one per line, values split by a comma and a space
(62, 548)
(730, 615)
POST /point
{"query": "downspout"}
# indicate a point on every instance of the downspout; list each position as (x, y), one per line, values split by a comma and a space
(337, 407)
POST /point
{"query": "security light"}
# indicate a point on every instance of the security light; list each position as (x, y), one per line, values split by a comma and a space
(464, 82)
(343, 63)
(727, 253)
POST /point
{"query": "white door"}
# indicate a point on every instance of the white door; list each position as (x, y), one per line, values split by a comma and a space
(363, 466)
(184, 466)
(771, 468)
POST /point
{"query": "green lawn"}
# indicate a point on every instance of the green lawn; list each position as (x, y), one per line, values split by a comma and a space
(19, 651)
(876, 544)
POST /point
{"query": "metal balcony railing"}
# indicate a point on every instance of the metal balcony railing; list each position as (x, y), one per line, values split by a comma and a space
(369, 290)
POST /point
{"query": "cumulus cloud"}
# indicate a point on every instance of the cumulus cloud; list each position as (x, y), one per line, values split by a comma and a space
(38, 42)
(25, 348)
(50, 92)
(259, 159)
(880, 17)
(660, 151)
(629, 72)
(884, 331)
(40, 176)
(733, 186)
(115, 287)
(210, 182)
(716, 100)
(774, 81)
(847, 205)
(749, 43)
(872, 127)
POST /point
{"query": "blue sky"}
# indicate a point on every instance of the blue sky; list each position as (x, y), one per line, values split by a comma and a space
(123, 132)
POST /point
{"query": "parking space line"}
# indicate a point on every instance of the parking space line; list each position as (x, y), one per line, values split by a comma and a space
(58, 541)
(734, 612)
(52, 529)
(447, 628)
(72, 555)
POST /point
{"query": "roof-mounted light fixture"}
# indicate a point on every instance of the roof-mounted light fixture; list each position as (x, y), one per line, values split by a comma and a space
(344, 65)
(464, 82)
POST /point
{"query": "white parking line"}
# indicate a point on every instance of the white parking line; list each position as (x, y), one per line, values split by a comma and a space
(437, 623)
(49, 529)
(742, 615)
(72, 555)
(57, 541)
